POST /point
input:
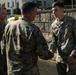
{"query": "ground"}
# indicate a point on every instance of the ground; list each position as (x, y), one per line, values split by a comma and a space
(47, 67)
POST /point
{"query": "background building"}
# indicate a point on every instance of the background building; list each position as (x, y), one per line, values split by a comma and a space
(17, 3)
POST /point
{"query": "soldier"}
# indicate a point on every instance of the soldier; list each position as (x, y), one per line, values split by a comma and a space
(3, 13)
(23, 42)
(63, 31)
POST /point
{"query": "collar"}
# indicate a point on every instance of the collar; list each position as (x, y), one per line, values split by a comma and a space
(25, 19)
(63, 20)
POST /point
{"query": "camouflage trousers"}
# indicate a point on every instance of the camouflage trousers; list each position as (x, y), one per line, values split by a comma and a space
(71, 69)
(65, 69)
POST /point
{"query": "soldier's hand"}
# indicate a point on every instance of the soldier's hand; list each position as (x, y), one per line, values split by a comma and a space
(53, 58)
(52, 51)
(70, 60)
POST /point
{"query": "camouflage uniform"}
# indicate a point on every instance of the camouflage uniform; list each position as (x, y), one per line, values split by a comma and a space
(24, 43)
(3, 68)
(2, 26)
(64, 42)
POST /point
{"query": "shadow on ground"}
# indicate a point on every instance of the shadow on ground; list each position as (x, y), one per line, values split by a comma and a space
(47, 67)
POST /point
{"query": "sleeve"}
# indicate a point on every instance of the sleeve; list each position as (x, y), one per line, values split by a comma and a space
(73, 53)
(3, 46)
(53, 45)
(3, 41)
(10, 43)
(42, 47)
(2, 26)
(3, 51)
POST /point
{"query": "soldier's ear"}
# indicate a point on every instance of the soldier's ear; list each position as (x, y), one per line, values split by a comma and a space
(62, 9)
(31, 12)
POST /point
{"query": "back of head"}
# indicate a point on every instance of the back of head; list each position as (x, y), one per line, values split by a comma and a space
(2, 7)
(27, 7)
(59, 4)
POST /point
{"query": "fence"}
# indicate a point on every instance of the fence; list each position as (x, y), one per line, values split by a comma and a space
(44, 18)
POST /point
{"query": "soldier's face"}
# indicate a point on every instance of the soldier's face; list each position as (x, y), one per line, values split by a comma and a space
(57, 11)
(3, 14)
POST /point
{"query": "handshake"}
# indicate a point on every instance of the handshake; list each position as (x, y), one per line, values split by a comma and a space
(53, 55)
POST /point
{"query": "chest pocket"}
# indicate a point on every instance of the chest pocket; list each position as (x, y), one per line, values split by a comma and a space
(69, 30)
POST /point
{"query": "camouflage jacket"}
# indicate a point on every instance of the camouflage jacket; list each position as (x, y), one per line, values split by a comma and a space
(23, 43)
(2, 26)
(64, 38)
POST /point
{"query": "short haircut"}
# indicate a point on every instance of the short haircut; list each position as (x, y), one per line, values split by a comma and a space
(2, 7)
(59, 4)
(27, 7)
